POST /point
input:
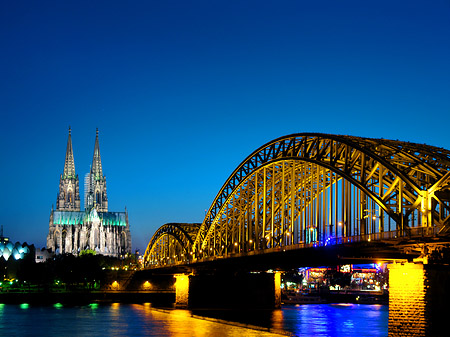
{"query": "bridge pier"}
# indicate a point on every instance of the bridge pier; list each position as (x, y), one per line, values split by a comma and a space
(228, 290)
(181, 290)
(419, 299)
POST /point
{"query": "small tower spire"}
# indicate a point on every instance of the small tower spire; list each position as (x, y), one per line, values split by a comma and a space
(69, 164)
(68, 198)
(96, 168)
(98, 181)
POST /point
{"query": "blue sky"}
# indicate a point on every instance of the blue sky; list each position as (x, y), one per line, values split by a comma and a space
(183, 91)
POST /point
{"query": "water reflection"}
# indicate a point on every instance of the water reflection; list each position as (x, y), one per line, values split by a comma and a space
(183, 323)
(277, 320)
(142, 320)
(93, 306)
(335, 320)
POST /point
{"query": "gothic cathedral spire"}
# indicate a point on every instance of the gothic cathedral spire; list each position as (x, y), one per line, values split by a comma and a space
(96, 193)
(69, 195)
(69, 164)
(96, 168)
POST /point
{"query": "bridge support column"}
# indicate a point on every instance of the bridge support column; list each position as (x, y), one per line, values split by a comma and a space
(181, 290)
(277, 289)
(419, 299)
(235, 290)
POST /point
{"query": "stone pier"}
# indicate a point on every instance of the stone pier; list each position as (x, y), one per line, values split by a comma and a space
(228, 290)
(419, 299)
(181, 290)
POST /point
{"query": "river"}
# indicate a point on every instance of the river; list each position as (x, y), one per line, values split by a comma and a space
(142, 320)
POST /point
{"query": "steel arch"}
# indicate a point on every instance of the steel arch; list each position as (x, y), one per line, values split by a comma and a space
(410, 177)
(182, 233)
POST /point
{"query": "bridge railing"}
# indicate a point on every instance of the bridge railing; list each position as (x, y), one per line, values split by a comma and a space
(424, 231)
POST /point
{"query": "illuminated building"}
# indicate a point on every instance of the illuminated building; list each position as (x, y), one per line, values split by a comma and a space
(15, 251)
(72, 230)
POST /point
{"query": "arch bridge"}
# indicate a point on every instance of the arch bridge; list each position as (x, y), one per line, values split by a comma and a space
(310, 189)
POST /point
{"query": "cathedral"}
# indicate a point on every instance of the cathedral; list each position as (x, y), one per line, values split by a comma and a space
(72, 230)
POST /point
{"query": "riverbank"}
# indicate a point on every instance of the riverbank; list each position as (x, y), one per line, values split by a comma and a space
(162, 298)
(167, 298)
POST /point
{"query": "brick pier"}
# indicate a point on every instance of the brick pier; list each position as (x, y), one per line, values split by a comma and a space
(419, 299)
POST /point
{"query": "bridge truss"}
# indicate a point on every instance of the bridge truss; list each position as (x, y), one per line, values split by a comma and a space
(171, 244)
(317, 189)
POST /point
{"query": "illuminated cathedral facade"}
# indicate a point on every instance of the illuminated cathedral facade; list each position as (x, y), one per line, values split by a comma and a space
(72, 230)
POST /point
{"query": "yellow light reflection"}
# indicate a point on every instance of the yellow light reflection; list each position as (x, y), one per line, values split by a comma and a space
(277, 319)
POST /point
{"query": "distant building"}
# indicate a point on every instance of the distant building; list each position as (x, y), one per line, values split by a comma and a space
(72, 230)
(43, 255)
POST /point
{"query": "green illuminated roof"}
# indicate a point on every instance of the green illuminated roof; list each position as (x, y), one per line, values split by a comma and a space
(113, 218)
(78, 218)
(68, 218)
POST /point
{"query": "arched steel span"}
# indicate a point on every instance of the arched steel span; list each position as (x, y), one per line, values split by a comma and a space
(313, 188)
(171, 243)
(411, 173)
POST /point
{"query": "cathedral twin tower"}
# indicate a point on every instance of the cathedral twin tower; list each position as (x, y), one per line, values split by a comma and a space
(72, 230)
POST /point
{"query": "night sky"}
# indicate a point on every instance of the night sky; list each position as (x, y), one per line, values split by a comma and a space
(182, 91)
